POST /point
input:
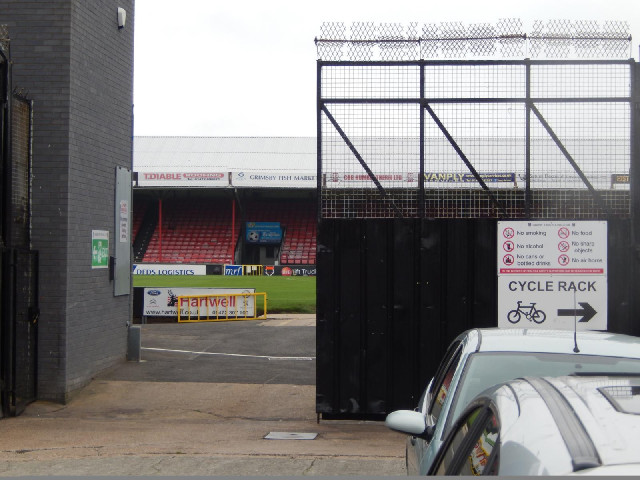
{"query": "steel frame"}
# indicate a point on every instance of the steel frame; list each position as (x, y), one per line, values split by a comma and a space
(426, 103)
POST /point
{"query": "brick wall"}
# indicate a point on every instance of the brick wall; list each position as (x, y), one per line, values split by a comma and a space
(71, 59)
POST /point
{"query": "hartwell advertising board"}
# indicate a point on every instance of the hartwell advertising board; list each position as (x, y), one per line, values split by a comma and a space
(163, 302)
(552, 274)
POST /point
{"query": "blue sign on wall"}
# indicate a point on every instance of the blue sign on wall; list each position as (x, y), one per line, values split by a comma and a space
(233, 269)
(263, 233)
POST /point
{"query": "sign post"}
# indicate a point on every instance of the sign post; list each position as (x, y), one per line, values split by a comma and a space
(552, 274)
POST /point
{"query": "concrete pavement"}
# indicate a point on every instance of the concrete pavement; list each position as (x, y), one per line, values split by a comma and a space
(172, 415)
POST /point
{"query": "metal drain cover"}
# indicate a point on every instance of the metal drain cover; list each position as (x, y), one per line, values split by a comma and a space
(290, 436)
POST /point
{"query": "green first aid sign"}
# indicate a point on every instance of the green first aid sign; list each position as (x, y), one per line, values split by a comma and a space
(99, 249)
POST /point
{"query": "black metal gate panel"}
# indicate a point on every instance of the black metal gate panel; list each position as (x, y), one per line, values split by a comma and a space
(20, 333)
(393, 293)
(421, 152)
(19, 264)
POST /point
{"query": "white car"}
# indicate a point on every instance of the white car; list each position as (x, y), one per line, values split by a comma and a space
(572, 425)
(480, 358)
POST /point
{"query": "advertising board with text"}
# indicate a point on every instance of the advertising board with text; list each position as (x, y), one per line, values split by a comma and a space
(552, 274)
(163, 302)
(168, 269)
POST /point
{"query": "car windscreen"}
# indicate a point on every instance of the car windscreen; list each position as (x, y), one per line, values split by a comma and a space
(485, 369)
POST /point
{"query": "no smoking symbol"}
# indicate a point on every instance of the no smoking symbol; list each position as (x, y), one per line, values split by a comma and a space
(563, 260)
(508, 232)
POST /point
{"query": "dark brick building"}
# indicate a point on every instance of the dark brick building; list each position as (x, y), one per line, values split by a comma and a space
(74, 62)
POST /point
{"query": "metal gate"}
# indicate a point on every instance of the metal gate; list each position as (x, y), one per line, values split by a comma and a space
(19, 264)
(420, 154)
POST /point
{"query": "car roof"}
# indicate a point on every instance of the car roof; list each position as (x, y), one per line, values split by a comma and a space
(551, 341)
(609, 410)
(527, 423)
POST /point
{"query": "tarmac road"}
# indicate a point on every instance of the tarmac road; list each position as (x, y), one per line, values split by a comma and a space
(200, 403)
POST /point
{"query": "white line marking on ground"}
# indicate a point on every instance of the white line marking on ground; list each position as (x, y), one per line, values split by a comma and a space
(268, 357)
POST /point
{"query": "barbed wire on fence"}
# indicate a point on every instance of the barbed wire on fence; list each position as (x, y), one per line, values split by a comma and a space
(551, 39)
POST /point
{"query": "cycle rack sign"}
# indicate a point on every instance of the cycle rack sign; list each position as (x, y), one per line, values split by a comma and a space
(552, 274)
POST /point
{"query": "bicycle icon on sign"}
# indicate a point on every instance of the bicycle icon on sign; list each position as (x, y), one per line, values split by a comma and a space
(530, 312)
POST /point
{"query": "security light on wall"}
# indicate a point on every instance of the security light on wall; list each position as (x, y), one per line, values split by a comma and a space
(122, 17)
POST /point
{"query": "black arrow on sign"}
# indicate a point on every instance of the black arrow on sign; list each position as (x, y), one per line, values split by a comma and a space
(586, 313)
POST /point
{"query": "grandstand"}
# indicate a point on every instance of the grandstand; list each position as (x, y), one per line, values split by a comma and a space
(193, 197)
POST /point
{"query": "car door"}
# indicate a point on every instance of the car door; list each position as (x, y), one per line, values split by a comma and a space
(431, 404)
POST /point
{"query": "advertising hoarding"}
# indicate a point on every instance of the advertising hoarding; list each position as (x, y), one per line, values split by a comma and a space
(168, 269)
(280, 179)
(174, 178)
(163, 301)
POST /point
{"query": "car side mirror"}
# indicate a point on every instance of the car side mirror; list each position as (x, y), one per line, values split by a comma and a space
(411, 423)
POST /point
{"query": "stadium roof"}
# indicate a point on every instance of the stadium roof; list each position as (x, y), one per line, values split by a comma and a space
(272, 154)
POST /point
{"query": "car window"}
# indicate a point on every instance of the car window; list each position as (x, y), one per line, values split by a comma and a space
(448, 456)
(485, 369)
(429, 392)
(442, 387)
(472, 448)
(481, 460)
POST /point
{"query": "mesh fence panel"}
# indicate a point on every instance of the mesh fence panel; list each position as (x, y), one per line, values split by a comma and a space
(545, 139)
(20, 178)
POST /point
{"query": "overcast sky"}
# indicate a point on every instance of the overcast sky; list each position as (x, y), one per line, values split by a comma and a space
(222, 68)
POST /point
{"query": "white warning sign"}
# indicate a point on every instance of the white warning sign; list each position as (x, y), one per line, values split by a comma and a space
(552, 274)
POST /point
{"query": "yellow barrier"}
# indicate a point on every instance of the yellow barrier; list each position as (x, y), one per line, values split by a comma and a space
(222, 307)
(252, 269)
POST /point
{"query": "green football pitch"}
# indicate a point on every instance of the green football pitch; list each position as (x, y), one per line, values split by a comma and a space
(284, 294)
